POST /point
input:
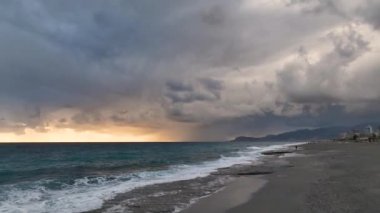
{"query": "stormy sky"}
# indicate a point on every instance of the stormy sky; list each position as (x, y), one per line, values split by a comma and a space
(167, 70)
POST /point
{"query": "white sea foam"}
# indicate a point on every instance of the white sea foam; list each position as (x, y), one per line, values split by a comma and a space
(90, 192)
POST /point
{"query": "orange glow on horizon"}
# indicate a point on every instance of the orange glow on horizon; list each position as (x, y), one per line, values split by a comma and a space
(71, 135)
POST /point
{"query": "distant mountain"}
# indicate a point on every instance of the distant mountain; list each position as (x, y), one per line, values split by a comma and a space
(308, 134)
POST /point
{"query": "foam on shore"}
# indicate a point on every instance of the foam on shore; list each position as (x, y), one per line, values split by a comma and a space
(90, 193)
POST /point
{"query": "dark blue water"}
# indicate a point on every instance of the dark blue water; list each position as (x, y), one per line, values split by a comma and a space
(80, 177)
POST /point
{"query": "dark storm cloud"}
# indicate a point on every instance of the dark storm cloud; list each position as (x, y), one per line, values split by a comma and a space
(179, 86)
(87, 117)
(212, 85)
(181, 96)
(76, 53)
(203, 89)
(171, 61)
(371, 13)
(66, 54)
(176, 113)
(214, 16)
(189, 97)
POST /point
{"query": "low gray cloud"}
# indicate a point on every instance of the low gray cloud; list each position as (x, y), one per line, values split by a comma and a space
(269, 123)
(323, 82)
(204, 89)
(213, 86)
(178, 86)
(214, 16)
(182, 95)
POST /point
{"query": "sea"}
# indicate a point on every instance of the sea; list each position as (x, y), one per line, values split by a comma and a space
(117, 177)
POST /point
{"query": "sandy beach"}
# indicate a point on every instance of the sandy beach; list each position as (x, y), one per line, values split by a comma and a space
(319, 177)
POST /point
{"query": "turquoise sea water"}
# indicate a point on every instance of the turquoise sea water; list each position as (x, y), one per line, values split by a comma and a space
(80, 177)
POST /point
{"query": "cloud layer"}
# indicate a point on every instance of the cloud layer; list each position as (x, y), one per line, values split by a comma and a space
(199, 70)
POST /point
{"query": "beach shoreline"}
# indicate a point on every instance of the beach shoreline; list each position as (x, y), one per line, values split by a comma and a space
(319, 177)
(178, 196)
(247, 181)
(236, 193)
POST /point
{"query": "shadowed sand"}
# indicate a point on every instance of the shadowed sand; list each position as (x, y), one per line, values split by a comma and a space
(322, 177)
(234, 194)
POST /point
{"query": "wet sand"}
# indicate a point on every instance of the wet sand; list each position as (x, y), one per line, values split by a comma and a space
(238, 182)
(236, 193)
(322, 177)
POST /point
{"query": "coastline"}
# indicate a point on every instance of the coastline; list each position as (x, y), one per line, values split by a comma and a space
(168, 178)
(320, 177)
(247, 181)
(178, 196)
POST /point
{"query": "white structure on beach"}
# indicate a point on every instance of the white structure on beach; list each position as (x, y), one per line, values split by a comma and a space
(370, 130)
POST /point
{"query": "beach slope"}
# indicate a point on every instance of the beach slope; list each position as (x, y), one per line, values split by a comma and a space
(322, 177)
